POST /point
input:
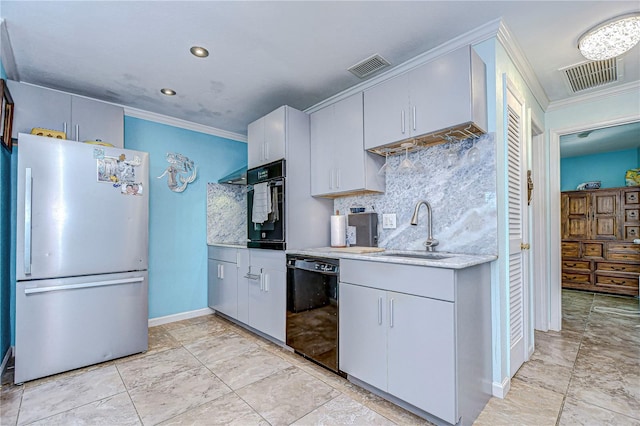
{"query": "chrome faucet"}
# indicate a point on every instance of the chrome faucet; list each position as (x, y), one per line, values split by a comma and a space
(431, 242)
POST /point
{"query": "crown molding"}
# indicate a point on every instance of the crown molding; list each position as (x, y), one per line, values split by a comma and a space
(522, 65)
(183, 124)
(480, 34)
(622, 89)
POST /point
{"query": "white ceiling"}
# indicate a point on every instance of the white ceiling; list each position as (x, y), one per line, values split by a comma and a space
(266, 54)
(596, 141)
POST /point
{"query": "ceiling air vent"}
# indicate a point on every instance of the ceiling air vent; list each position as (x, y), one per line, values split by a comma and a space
(368, 66)
(593, 74)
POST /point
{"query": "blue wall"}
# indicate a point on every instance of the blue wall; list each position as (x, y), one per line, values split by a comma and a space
(5, 245)
(608, 167)
(177, 223)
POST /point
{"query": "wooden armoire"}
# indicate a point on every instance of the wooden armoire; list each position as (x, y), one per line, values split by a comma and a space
(598, 229)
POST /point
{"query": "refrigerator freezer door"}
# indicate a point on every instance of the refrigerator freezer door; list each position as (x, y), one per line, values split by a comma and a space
(74, 216)
(63, 324)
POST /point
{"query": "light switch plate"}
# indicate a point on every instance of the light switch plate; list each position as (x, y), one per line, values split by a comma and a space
(389, 221)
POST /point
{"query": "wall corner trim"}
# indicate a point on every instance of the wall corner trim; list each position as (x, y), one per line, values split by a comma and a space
(179, 317)
(500, 390)
(522, 64)
(183, 124)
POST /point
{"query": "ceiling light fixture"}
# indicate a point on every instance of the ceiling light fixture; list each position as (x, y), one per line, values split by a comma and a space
(168, 92)
(611, 38)
(198, 51)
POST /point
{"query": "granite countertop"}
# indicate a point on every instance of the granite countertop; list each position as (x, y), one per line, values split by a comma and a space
(452, 261)
(232, 244)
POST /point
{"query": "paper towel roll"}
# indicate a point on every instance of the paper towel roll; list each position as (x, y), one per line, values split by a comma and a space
(338, 231)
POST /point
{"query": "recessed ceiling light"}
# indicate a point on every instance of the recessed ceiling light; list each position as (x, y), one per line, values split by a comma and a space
(198, 51)
(168, 92)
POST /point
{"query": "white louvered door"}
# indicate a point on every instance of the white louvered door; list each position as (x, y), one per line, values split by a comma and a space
(518, 266)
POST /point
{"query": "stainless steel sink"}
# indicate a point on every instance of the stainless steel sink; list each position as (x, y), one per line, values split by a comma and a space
(418, 255)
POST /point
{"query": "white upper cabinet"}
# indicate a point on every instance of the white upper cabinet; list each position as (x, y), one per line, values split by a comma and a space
(267, 138)
(37, 107)
(93, 120)
(339, 163)
(446, 92)
(385, 112)
(80, 118)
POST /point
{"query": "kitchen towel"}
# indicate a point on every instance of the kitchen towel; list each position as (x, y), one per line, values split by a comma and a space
(338, 230)
(261, 203)
(274, 216)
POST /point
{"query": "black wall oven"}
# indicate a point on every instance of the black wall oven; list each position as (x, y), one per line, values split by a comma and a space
(312, 309)
(266, 206)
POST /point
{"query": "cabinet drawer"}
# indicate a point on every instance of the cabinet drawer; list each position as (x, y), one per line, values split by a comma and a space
(571, 249)
(631, 232)
(631, 215)
(225, 254)
(576, 264)
(624, 247)
(617, 267)
(632, 197)
(435, 283)
(592, 250)
(576, 277)
(609, 281)
(624, 256)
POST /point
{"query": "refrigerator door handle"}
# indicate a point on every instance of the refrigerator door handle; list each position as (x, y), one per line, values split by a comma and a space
(27, 220)
(82, 285)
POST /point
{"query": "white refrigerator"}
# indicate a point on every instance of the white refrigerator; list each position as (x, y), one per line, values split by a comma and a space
(81, 255)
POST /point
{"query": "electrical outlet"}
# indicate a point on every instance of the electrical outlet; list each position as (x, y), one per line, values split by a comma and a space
(389, 221)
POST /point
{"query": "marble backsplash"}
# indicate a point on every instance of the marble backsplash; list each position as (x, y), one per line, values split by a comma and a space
(461, 192)
(226, 213)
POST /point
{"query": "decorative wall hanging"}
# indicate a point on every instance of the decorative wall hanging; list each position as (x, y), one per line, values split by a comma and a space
(6, 115)
(180, 172)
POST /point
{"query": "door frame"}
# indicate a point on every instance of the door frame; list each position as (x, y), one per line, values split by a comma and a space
(554, 239)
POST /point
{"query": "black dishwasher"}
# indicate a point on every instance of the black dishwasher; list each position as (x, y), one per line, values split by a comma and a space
(312, 308)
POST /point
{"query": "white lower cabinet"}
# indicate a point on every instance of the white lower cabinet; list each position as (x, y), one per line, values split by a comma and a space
(385, 343)
(249, 285)
(267, 286)
(222, 274)
(223, 287)
(421, 335)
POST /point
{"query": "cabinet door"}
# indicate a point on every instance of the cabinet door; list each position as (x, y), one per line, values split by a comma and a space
(322, 148)
(421, 353)
(94, 120)
(267, 303)
(386, 108)
(440, 93)
(243, 285)
(275, 135)
(223, 287)
(605, 222)
(348, 135)
(255, 143)
(363, 334)
(577, 224)
(38, 107)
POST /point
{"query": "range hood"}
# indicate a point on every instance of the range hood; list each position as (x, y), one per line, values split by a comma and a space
(237, 177)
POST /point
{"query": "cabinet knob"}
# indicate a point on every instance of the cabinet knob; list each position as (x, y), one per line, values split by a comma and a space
(524, 246)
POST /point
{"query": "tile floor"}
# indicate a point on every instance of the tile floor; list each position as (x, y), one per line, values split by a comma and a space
(207, 371)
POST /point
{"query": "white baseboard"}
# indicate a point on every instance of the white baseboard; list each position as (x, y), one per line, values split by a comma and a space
(500, 390)
(179, 317)
(6, 359)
